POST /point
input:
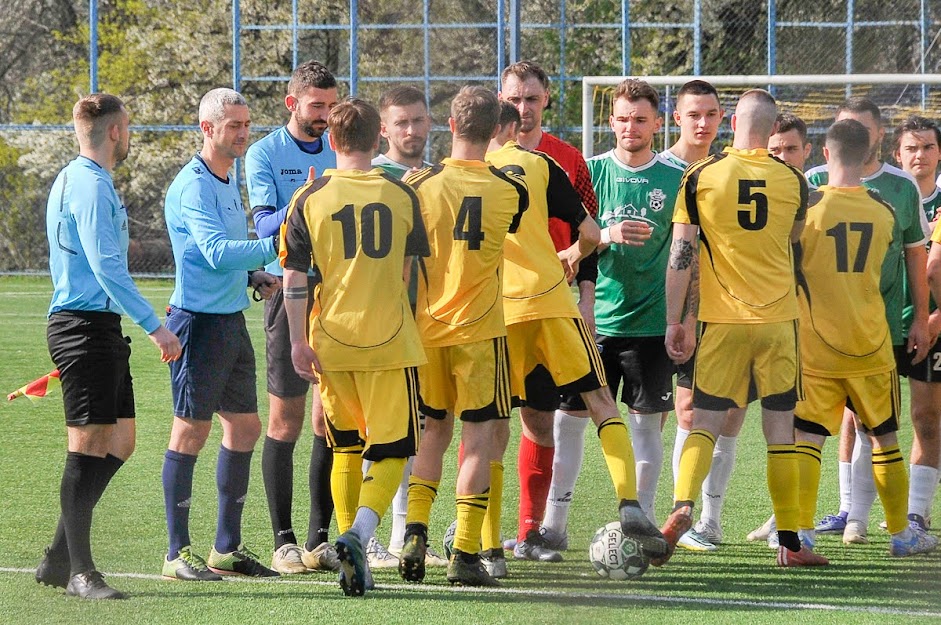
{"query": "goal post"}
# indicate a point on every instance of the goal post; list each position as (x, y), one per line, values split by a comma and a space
(814, 97)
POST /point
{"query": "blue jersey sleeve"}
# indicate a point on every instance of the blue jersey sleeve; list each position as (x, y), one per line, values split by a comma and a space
(263, 193)
(201, 214)
(96, 225)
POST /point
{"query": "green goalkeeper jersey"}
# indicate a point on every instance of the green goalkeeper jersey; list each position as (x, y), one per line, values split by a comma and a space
(931, 206)
(630, 297)
(898, 189)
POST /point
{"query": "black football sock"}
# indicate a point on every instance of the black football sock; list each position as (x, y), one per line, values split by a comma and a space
(82, 478)
(277, 470)
(59, 548)
(321, 498)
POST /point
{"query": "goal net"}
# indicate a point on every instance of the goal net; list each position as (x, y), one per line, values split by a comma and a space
(814, 98)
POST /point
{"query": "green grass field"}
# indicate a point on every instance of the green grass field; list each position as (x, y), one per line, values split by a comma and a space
(739, 583)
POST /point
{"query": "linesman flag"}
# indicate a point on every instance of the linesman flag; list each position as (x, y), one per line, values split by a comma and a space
(37, 388)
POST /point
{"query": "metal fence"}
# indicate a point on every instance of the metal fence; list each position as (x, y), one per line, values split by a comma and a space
(439, 45)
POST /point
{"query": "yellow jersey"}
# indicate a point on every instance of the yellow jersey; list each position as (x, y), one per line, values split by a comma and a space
(468, 208)
(534, 285)
(745, 203)
(357, 228)
(843, 327)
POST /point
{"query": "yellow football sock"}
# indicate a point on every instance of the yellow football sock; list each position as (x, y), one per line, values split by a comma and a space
(421, 494)
(490, 532)
(888, 470)
(808, 465)
(380, 484)
(695, 461)
(619, 456)
(470, 517)
(346, 478)
(783, 478)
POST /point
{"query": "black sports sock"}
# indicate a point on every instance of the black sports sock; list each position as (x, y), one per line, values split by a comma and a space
(789, 539)
(277, 470)
(59, 548)
(82, 478)
(321, 499)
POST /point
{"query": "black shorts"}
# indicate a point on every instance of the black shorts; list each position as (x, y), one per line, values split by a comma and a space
(644, 366)
(216, 372)
(283, 381)
(93, 358)
(928, 370)
(542, 394)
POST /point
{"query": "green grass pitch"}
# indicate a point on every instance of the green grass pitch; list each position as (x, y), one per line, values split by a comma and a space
(739, 583)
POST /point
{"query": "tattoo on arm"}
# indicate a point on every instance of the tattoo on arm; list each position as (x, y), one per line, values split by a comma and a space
(692, 300)
(295, 292)
(681, 254)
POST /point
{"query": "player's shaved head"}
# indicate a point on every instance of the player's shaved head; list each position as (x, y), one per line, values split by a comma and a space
(848, 142)
(476, 112)
(93, 114)
(212, 106)
(354, 126)
(756, 113)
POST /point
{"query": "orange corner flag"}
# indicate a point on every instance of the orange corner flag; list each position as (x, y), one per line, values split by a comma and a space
(37, 388)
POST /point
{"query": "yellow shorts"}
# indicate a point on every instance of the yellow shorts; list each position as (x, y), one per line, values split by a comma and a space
(377, 410)
(731, 355)
(875, 398)
(563, 346)
(470, 381)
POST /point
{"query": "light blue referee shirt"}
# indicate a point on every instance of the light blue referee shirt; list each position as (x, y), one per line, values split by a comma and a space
(209, 236)
(86, 225)
(275, 167)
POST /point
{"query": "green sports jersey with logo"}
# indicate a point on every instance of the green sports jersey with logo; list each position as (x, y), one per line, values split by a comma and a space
(629, 295)
(898, 189)
(931, 206)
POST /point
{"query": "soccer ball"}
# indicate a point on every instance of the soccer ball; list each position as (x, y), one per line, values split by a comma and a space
(448, 541)
(615, 555)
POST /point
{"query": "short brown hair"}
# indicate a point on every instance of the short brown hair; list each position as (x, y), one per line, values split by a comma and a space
(509, 114)
(848, 142)
(860, 104)
(310, 74)
(92, 115)
(354, 126)
(524, 70)
(632, 90)
(476, 112)
(916, 123)
(790, 121)
(401, 96)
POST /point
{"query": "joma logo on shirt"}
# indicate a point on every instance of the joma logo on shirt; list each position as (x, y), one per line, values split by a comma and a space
(291, 172)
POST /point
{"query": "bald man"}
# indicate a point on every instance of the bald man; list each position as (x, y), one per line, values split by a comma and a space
(747, 303)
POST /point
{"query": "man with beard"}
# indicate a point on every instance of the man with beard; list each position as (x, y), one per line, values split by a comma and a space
(276, 167)
(86, 225)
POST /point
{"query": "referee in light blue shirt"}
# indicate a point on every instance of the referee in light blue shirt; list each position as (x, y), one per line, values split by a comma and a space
(216, 374)
(86, 226)
(276, 166)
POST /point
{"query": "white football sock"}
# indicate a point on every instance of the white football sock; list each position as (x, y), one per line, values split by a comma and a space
(923, 482)
(681, 436)
(647, 441)
(717, 481)
(399, 508)
(365, 524)
(864, 485)
(846, 486)
(569, 435)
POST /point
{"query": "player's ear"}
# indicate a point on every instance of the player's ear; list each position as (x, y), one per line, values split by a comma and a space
(451, 125)
(333, 143)
(676, 117)
(733, 121)
(290, 102)
(807, 148)
(206, 126)
(826, 154)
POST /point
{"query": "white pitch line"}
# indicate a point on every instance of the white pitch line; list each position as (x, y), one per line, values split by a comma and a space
(625, 597)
